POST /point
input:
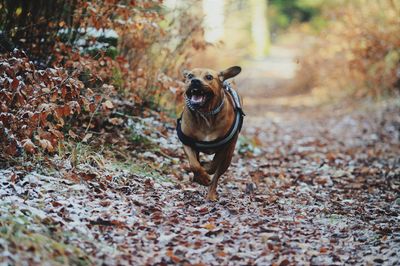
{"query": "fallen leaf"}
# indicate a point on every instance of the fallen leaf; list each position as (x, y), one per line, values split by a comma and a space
(72, 134)
(209, 226)
(87, 137)
(46, 145)
(116, 121)
(28, 146)
(108, 104)
(172, 256)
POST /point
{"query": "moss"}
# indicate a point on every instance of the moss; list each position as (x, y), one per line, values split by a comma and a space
(23, 234)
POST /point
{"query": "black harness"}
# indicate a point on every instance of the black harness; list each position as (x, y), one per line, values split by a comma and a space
(219, 142)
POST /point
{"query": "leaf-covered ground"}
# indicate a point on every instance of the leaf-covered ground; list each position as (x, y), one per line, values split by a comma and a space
(320, 188)
(308, 185)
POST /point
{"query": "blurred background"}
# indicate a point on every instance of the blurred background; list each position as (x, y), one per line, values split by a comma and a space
(330, 46)
(330, 50)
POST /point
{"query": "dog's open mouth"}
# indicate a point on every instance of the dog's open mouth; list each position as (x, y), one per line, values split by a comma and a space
(197, 96)
(198, 99)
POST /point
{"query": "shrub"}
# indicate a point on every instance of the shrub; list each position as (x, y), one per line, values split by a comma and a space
(359, 51)
(34, 25)
(88, 72)
(36, 103)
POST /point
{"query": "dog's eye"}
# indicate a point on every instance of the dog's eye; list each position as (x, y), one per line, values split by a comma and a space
(189, 76)
(209, 77)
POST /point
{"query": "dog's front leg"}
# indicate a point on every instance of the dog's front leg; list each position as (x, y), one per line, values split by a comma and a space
(200, 175)
(210, 167)
(222, 160)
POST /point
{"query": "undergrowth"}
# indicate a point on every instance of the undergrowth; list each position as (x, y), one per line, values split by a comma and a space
(25, 233)
(358, 52)
(109, 58)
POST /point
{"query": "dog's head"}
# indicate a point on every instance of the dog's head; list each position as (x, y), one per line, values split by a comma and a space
(204, 87)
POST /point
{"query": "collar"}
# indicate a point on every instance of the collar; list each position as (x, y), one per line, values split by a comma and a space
(212, 112)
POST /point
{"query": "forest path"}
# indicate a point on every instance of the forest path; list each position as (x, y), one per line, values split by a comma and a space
(307, 185)
(328, 177)
(266, 86)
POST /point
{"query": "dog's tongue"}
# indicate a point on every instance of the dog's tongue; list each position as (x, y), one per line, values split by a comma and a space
(197, 98)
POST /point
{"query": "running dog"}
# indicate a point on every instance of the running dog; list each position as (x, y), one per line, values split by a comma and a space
(210, 123)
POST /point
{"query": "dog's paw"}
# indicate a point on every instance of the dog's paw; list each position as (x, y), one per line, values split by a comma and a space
(212, 196)
(202, 179)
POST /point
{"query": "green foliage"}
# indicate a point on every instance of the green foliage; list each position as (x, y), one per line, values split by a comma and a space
(283, 13)
(118, 79)
(138, 137)
(247, 146)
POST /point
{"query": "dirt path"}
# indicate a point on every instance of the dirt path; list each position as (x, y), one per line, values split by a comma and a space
(318, 188)
(328, 179)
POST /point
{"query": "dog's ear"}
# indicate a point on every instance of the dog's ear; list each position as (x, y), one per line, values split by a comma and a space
(229, 73)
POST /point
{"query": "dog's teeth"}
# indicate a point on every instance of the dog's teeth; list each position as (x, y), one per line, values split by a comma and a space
(197, 98)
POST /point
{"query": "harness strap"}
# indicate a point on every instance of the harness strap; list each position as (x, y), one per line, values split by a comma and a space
(206, 145)
(235, 96)
(217, 143)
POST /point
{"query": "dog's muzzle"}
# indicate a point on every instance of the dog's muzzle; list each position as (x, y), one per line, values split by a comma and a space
(196, 94)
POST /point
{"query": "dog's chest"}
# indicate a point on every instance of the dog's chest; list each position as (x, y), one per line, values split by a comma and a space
(209, 137)
(211, 131)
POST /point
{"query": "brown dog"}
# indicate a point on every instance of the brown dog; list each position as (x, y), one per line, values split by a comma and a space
(210, 123)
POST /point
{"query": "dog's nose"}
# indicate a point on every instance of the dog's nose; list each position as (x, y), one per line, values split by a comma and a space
(195, 82)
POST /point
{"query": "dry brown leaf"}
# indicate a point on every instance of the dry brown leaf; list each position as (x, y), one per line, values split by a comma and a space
(28, 146)
(323, 249)
(72, 134)
(172, 256)
(87, 137)
(108, 104)
(92, 107)
(56, 133)
(13, 178)
(14, 83)
(66, 110)
(209, 226)
(46, 145)
(116, 121)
